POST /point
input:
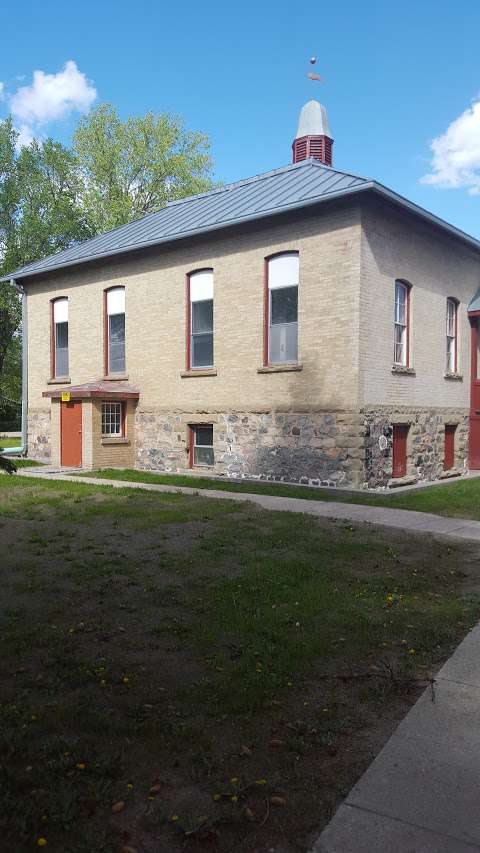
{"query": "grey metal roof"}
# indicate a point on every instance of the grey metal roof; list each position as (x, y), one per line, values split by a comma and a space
(296, 186)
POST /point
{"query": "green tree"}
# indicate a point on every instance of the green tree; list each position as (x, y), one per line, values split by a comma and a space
(52, 197)
(134, 167)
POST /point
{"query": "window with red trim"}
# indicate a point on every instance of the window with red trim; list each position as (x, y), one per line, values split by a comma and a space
(401, 338)
(281, 309)
(200, 319)
(115, 330)
(59, 344)
(451, 335)
(201, 446)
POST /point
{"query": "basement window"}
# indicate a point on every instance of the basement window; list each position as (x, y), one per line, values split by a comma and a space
(201, 446)
(113, 420)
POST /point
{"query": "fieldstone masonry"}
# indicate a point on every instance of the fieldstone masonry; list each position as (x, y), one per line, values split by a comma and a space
(39, 434)
(426, 442)
(313, 448)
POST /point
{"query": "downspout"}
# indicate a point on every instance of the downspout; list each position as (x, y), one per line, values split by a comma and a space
(21, 451)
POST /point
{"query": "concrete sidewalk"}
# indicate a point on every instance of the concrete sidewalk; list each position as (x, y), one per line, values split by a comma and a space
(422, 792)
(454, 528)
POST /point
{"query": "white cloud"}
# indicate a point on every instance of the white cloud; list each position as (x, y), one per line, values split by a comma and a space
(53, 96)
(2, 91)
(456, 154)
(49, 98)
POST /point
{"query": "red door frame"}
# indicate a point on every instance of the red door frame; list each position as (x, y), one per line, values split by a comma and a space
(399, 461)
(71, 434)
(474, 438)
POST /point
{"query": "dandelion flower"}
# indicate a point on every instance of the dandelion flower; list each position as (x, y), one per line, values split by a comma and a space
(174, 817)
(125, 679)
(41, 842)
(80, 765)
(234, 799)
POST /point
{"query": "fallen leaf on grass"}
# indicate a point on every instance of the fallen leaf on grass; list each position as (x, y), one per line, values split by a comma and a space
(118, 807)
(278, 801)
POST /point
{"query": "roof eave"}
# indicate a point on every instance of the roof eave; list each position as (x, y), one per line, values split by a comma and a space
(373, 186)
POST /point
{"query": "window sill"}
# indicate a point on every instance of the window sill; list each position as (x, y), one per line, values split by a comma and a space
(403, 371)
(120, 439)
(280, 368)
(115, 377)
(59, 380)
(453, 377)
(198, 371)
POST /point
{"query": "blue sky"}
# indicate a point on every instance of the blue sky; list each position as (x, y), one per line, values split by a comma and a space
(397, 76)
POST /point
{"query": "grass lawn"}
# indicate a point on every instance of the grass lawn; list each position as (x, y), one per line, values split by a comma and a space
(179, 673)
(458, 498)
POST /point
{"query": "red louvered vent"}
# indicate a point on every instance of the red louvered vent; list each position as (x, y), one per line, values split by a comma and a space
(319, 147)
(299, 149)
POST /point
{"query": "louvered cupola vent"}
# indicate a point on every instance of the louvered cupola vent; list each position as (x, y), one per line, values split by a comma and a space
(314, 138)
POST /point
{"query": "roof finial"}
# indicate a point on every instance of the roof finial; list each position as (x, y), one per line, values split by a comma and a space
(312, 75)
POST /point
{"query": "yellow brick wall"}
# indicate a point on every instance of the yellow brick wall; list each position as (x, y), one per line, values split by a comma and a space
(395, 245)
(112, 453)
(329, 247)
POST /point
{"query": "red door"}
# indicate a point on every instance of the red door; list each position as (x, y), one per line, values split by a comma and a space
(71, 434)
(400, 433)
(474, 443)
(449, 459)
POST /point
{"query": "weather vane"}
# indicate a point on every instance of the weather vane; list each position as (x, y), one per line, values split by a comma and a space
(312, 75)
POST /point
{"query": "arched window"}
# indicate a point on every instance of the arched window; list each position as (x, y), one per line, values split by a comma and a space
(59, 357)
(281, 309)
(200, 319)
(451, 334)
(401, 338)
(115, 330)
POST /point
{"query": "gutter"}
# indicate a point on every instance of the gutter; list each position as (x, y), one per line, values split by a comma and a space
(21, 451)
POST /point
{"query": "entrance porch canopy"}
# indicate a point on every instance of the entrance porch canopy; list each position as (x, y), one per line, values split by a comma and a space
(105, 390)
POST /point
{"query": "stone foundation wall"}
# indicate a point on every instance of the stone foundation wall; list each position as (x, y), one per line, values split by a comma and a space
(315, 448)
(425, 444)
(39, 434)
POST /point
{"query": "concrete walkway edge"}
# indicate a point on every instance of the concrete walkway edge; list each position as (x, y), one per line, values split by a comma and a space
(421, 793)
(403, 519)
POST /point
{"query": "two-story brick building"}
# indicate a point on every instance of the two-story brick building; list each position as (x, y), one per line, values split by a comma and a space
(305, 324)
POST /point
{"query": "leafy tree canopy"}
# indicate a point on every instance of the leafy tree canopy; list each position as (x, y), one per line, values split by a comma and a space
(52, 197)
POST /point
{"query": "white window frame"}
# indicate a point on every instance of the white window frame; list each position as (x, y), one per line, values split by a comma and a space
(451, 332)
(113, 414)
(283, 271)
(401, 329)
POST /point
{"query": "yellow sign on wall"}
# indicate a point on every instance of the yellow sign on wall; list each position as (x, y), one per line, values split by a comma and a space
(66, 397)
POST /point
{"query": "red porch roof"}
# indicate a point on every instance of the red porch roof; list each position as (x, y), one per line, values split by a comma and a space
(101, 388)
